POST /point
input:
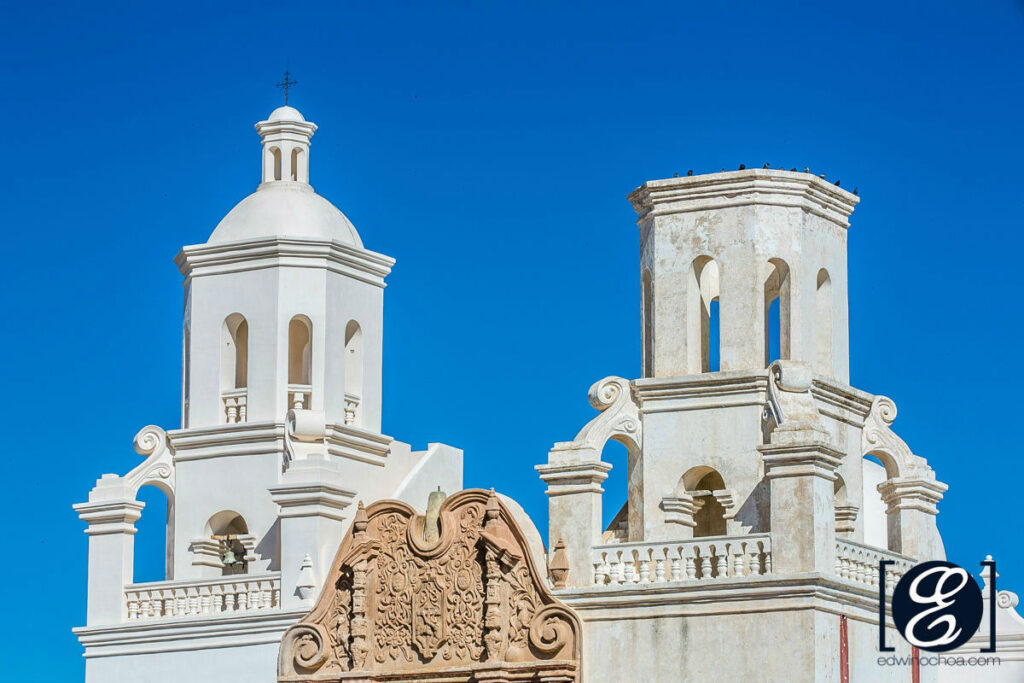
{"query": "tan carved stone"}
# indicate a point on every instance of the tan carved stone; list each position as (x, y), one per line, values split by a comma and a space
(468, 606)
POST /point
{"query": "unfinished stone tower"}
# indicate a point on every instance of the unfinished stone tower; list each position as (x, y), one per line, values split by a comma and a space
(763, 489)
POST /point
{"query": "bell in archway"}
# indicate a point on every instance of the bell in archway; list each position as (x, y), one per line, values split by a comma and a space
(228, 558)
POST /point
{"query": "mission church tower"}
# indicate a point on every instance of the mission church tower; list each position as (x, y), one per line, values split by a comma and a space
(280, 437)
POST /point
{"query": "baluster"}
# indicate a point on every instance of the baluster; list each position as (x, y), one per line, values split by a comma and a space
(767, 562)
(704, 564)
(242, 410)
(659, 570)
(204, 600)
(629, 570)
(277, 597)
(754, 560)
(721, 564)
(677, 570)
(157, 604)
(691, 567)
(737, 559)
(232, 410)
(266, 599)
(243, 598)
(597, 574)
(133, 609)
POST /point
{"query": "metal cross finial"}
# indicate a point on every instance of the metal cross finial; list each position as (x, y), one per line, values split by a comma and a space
(286, 84)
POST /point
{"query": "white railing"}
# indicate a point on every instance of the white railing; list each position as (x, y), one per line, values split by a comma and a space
(859, 563)
(235, 404)
(177, 599)
(711, 557)
(300, 396)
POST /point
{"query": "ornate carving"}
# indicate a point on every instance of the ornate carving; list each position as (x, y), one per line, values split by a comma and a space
(619, 418)
(878, 438)
(158, 467)
(472, 599)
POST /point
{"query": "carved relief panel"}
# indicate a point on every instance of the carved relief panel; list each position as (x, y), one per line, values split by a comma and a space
(470, 606)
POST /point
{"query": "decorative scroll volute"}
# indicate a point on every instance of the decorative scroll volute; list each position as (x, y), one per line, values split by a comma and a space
(472, 601)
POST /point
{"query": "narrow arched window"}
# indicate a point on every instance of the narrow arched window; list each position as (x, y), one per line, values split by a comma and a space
(277, 163)
(823, 323)
(648, 324)
(777, 312)
(300, 362)
(296, 172)
(707, 279)
(234, 367)
(353, 372)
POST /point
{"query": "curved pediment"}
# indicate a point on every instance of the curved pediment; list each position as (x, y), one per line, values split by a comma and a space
(470, 605)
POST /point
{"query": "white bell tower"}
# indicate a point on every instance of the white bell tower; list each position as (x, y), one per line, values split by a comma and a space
(283, 305)
(280, 438)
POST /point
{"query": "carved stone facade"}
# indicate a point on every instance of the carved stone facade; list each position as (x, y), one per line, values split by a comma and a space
(470, 606)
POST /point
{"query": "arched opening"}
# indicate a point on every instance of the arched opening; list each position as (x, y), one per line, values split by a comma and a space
(234, 368)
(707, 278)
(876, 521)
(231, 534)
(353, 371)
(296, 170)
(277, 162)
(622, 503)
(154, 538)
(234, 352)
(706, 486)
(823, 322)
(845, 510)
(647, 306)
(777, 313)
(300, 362)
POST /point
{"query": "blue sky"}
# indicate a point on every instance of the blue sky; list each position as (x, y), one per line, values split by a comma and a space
(489, 148)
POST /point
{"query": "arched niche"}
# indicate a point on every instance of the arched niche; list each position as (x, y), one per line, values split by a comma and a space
(707, 487)
(229, 532)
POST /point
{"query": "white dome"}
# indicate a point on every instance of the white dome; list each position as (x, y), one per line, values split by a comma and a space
(285, 209)
(286, 113)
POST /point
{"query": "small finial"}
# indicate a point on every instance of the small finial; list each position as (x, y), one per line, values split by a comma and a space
(743, 167)
(286, 84)
(855, 190)
(675, 175)
(690, 172)
(766, 165)
(806, 170)
(821, 175)
(793, 170)
(836, 183)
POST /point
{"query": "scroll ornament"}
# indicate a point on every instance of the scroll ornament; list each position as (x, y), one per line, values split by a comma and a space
(470, 601)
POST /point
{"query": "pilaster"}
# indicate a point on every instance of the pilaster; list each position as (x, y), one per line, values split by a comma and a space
(312, 501)
(911, 507)
(574, 511)
(111, 517)
(801, 477)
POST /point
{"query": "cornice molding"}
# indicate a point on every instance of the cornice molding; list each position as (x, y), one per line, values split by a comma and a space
(201, 260)
(705, 390)
(761, 187)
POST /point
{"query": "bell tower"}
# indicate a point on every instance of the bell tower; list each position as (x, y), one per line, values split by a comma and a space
(728, 250)
(283, 305)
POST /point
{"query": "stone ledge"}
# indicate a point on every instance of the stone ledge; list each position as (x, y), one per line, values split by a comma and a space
(190, 633)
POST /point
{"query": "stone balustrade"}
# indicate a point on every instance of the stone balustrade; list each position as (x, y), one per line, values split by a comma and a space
(300, 396)
(708, 558)
(177, 599)
(859, 563)
(235, 405)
